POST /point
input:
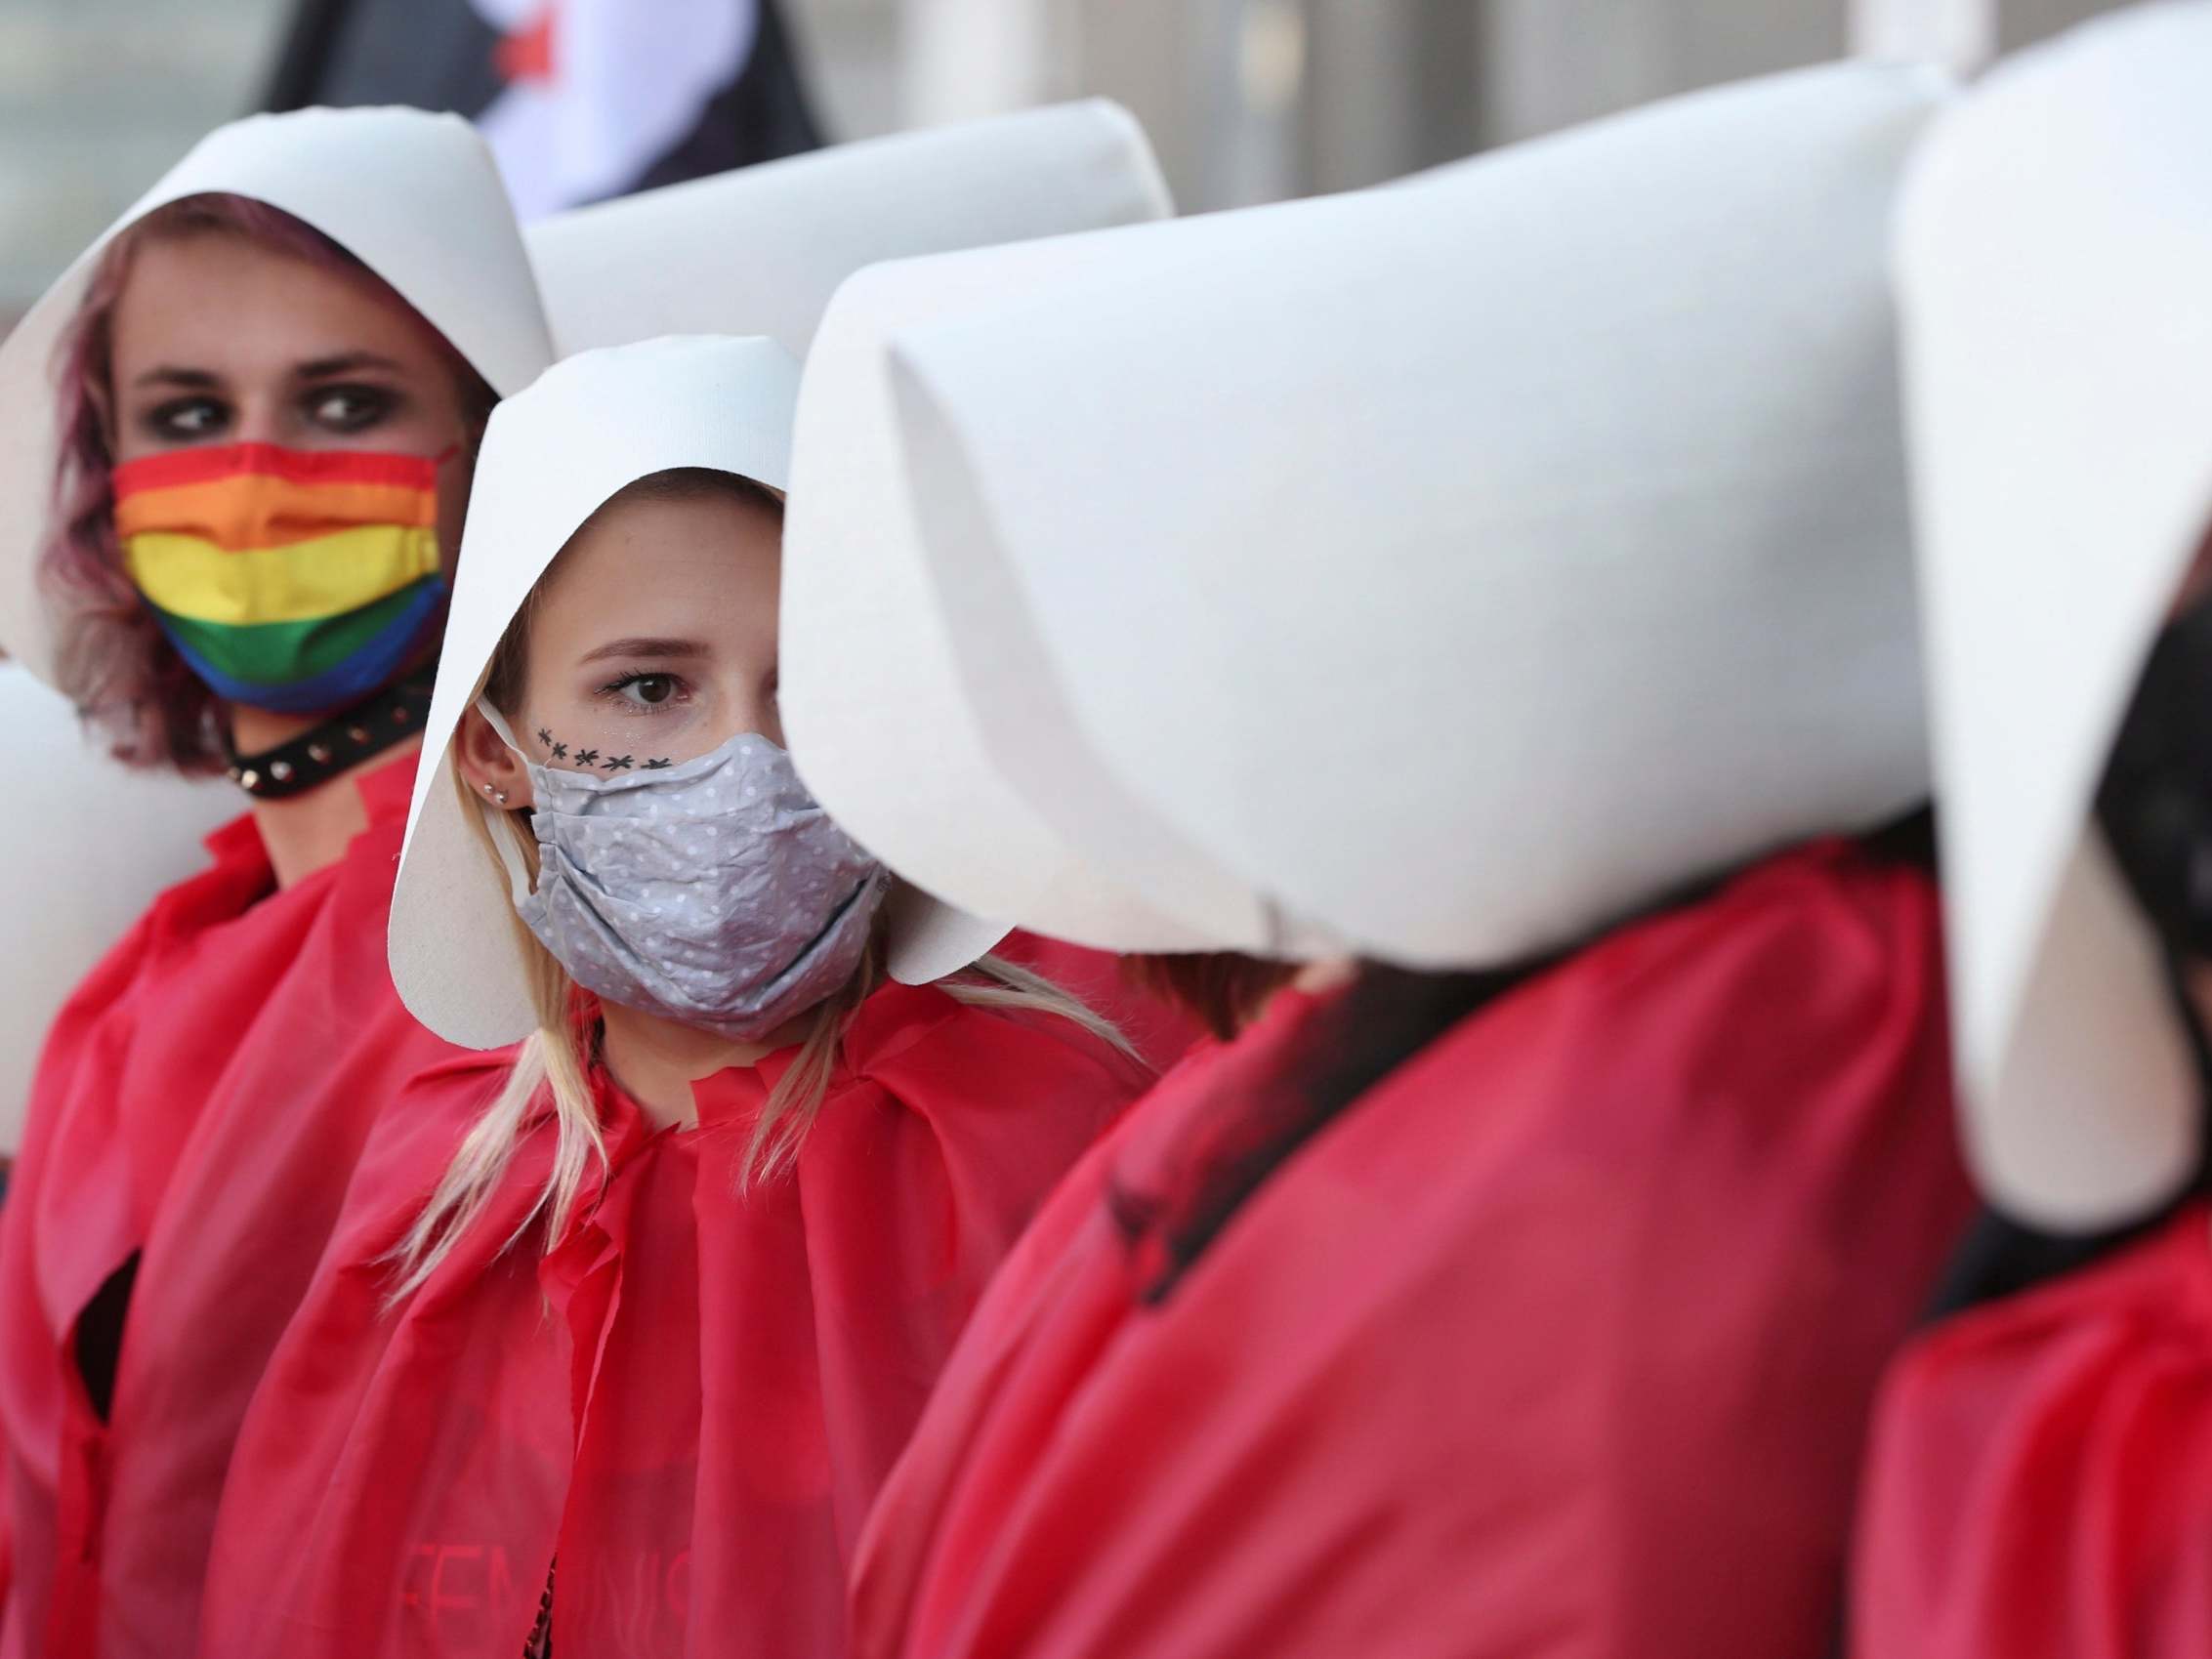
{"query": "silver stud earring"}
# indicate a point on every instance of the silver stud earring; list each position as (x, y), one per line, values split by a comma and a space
(498, 795)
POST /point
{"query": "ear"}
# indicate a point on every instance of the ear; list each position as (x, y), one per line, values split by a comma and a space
(489, 768)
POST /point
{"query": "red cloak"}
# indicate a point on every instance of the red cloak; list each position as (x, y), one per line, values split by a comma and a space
(680, 1412)
(1156, 1028)
(1558, 1342)
(201, 1106)
(2040, 1484)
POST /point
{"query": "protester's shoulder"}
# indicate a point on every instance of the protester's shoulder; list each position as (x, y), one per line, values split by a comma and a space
(915, 1030)
(178, 914)
(409, 1147)
(451, 1091)
(148, 955)
(1887, 879)
(1155, 1025)
(416, 1137)
(2149, 1305)
(1831, 916)
(2081, 1399)
(124, 967)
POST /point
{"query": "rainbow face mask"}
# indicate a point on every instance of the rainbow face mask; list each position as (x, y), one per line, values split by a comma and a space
(298, 581)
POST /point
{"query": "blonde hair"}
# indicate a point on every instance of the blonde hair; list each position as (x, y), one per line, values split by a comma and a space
(554, 1062)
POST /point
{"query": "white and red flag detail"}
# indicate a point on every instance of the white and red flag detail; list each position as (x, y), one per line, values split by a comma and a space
(580, 100)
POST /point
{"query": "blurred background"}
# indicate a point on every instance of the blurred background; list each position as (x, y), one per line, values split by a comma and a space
(1247, 99)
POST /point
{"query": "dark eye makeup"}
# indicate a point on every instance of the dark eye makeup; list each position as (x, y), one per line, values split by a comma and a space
(186, 420)
(340, 409)
(349, 408)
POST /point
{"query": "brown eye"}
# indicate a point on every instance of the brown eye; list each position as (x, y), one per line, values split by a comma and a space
(644, 691)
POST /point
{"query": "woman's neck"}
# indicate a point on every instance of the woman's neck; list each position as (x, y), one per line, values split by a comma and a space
(656, 1059)
(308, 831)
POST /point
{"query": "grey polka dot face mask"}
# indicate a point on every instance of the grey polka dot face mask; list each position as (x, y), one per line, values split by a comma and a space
(714, 893)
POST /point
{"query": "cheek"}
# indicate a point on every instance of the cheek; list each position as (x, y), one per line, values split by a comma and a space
(571, 730)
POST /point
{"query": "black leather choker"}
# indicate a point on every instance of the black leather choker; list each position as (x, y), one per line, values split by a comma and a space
(346, 739)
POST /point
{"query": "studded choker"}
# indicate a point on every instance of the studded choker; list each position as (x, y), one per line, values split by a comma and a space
(345, 740)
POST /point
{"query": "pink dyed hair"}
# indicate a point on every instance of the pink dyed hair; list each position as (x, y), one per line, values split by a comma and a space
(114, 663)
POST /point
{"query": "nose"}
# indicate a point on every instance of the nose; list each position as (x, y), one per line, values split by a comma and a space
(259, 419)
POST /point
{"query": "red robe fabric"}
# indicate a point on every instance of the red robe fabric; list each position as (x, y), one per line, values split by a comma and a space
(685, 1406)
(201, 1102)
(2040, 1482)
(1557, 1344)
(1158, 1029)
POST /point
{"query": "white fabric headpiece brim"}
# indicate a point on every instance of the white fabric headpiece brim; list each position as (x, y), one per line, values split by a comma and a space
(2054, 271)
(414, 196)
(130, 833)
(552, 457)
(761, 249)
(417, 199)
(1452, 567)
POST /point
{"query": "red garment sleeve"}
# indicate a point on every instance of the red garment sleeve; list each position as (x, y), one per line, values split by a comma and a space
(2041, 1477)
(1557, 1343)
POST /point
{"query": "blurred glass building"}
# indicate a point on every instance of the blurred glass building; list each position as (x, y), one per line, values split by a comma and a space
(1247, 99)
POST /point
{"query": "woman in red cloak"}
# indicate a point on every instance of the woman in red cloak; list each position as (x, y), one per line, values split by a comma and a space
(2041, 1480)
(272, 375)
(208, 1091)
(623, 1326)
(1463, 574)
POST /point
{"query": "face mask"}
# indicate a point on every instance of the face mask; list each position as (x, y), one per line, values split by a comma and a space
(714, 893)
(291, 580)
(2156, 800)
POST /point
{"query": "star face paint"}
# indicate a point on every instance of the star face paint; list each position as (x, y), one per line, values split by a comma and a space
(291, 580)
(557, 753)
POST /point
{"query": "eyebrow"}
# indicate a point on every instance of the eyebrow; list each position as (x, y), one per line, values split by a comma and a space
(345, 362)
(316, 368)
(646, 647)
(166, 375)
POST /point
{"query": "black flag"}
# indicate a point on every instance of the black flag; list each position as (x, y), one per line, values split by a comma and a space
(579, 99)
